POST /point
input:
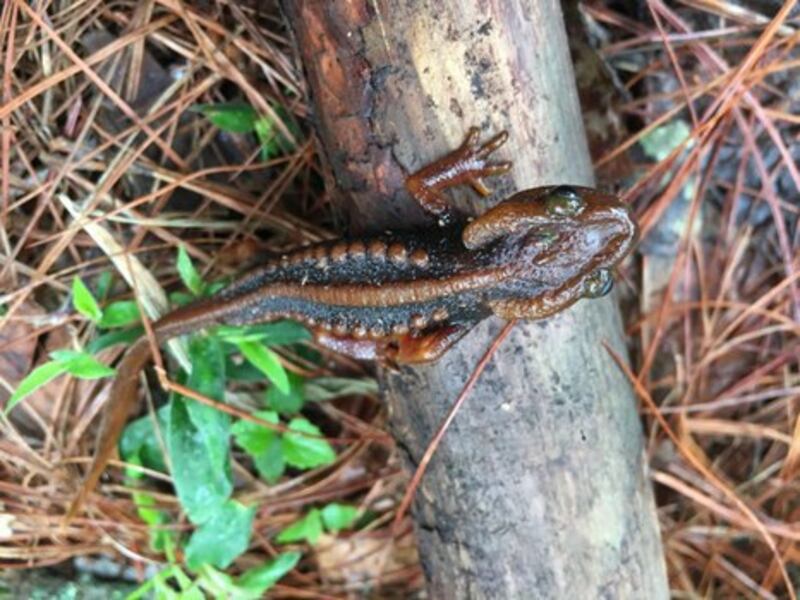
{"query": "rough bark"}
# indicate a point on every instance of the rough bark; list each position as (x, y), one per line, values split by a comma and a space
(539, 489)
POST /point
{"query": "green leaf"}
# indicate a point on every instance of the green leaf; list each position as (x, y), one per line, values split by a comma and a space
(278, 333)
(272, 139)
(323, 389)
(65, 355)
(112, 338)
(199, 483)
(161, 540)
(660, 142)
(198, 436)
(180, 298)
(267, 362)
(84, 366)
(242, 370)
(208, 378)
(104, 282)
(252, 584)
(65, 360)
(306, 452)
(215, 286)
(223, 537)
(290, 403)
(263, 444)
(281, 333)
(84, 302)
(139, 441)
(338, 516)
(144, 504)
(234, 334)
(208, 367)
(184, 582)
(158, 584)
(120, 314)
(163, 583)
(33, 381)
(264, 132)
(270, 463)
(308, 529)
(189, 275)
(235, 117)
(217, 584)
(258, 580)
(252, 437)
(192, 592)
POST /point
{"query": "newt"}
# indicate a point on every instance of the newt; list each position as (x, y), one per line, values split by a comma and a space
(407, 297)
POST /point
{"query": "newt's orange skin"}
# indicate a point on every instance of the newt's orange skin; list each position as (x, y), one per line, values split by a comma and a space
(407, 297)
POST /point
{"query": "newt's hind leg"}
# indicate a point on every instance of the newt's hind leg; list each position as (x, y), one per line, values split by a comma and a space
(469, 164)
(392, 351)
(428, 346)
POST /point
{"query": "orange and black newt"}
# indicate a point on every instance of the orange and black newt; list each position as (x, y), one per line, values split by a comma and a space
(406, 298)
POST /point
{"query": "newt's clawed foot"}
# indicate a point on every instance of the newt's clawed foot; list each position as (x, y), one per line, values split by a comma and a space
(468, 164)
(473, 159)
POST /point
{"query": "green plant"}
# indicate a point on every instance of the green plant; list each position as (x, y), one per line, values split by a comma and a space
(239, 117)
(81, 363)
(197, 437)
(174, 583)
(192, 440)
(334, 517)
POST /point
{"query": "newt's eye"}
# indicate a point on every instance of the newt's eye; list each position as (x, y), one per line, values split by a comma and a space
(598, 284)
(564, 201)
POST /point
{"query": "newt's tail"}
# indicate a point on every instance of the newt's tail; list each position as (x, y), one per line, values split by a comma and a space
(123, 395)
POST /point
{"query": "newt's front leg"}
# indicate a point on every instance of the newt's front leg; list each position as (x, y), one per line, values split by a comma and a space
(469, 163)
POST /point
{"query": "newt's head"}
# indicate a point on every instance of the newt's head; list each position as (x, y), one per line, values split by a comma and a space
(561, 244)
